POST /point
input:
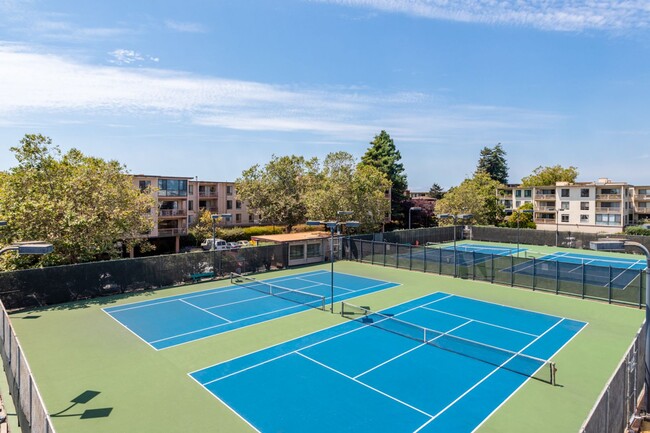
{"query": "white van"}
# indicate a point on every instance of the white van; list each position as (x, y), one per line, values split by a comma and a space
(219, 244)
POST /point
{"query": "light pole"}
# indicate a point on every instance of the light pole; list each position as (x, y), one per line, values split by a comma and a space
(557, 227)
(414, 208)
(216, 217)
(333, 225)
(619, 245)
(519, 212)
(462, 217)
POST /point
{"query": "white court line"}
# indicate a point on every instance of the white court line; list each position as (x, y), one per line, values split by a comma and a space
(364, 384)
(486, 377)
(302, 348)
(479, 321)
(410, 350)
(318, 283)
(204, 310)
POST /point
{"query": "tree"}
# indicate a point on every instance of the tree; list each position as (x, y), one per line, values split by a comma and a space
(474, 196)
(521, 219)
(493, 162)
(547, 176)
(83, 205)
(436, 191)
(277, 191)
(383, 155)
(342, 184)
(202, 227)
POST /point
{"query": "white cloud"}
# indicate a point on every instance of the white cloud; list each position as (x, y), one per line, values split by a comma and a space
(559, 15)
(126, 57)
(43, 86)
(185, 27)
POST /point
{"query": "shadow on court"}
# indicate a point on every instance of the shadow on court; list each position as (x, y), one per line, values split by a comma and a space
(84, 398)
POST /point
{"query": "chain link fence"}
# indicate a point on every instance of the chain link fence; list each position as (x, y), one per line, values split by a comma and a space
(30, 409)
(59, 284)
(615, 409)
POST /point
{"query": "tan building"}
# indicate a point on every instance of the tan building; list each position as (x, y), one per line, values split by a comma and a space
(601, 206)
(182, 199)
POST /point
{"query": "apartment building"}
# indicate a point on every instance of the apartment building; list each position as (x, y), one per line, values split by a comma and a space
(601, 206)
(181, 200)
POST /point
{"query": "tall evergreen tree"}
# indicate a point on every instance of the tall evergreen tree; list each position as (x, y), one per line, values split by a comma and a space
(493, 162)
(383, 155)
(436, 191)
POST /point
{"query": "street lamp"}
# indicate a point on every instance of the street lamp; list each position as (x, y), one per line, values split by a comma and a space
(333, 225)
(216, 217)
(518, 218)
(462, 217)
(414, 208)
(34, 247)
(619, 245)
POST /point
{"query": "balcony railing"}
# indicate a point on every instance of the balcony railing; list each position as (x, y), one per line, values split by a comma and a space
(207, 193)
(608, 196)
(545, 208)
(608, 210)
(172, 212)
(642, 197)
(172, 232)
(544, 220)
(544, 196)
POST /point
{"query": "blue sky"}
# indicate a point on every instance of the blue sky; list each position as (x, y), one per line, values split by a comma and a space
(209, 88)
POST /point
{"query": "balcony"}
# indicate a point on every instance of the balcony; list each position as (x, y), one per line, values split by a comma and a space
(172, 232)
(642, 197)
(172, 213)
(608, 196)
(616, 210)
(544, 196)
(545, 209)
(544, 220)
(208, 193)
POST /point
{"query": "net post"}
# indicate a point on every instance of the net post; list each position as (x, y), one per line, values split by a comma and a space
(553, 369)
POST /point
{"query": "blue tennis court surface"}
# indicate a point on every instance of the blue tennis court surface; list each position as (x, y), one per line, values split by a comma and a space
(601, 271)
(361, 377)
(466, 254)
(175, 320)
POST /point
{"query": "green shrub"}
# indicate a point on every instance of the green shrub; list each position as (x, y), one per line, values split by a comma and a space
(637, 230)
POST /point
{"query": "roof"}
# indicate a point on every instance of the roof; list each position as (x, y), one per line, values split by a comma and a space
(292, 237)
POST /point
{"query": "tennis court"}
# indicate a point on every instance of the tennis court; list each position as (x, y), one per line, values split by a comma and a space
(466, 254)
(176, 320)
(597, 270)
(442, 362)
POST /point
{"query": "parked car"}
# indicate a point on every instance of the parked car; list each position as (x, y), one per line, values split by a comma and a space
(233, 246)
(219, 244)
(243, 244)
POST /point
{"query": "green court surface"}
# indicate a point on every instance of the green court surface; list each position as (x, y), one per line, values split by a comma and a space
(96, 376)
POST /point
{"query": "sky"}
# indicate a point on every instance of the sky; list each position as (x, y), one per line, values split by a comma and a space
(207, 89)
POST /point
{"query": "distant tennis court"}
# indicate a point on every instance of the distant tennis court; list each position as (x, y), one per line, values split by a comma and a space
(466, 254)
(441, 363)
(597, 270)
(175, 320)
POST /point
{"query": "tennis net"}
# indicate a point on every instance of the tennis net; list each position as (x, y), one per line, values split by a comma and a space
(297, 296)
(516, 362)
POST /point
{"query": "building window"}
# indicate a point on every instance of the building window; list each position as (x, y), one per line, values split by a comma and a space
(584, 192)
(584, 218)
(564, 192)
(518, 193)
(584, 205)
(228, 189)
(144, 184)
(517, 204)
(238, 218)
(228, 204)
(172, 188)
(251, 218)
(296, 252)
(565, 218)
(528, 193)
(190, 205)
(313, 250)
(564, 205)
(237, 204)
(608, 220)
(191, 189)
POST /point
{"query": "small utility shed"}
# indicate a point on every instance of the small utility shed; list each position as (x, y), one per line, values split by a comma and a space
(307, 247)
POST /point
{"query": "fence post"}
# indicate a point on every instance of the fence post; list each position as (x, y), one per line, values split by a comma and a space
(584, 271)
(410, 257)
(385, 248)
(512, 274)
(492, 269)
(425, 258)
(372, 252)
(557, 277)
(534, 273)
(473, 265)
(641, 279)
(609, 293)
